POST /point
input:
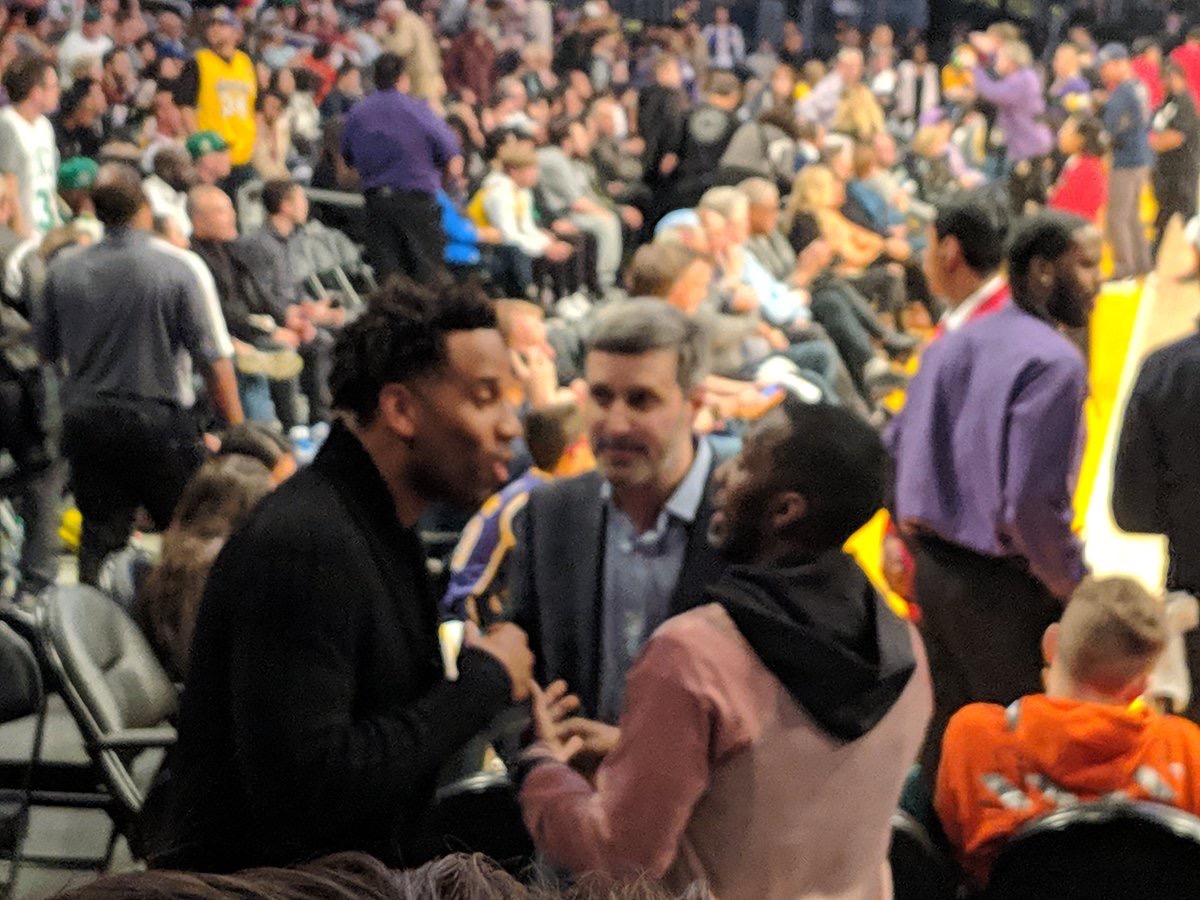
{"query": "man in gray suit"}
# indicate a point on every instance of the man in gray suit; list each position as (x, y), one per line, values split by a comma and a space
(603, 559)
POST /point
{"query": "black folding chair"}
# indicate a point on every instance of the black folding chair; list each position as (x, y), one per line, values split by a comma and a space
(21, 695)
(920, 869)
(1108, 850)
(116, 691)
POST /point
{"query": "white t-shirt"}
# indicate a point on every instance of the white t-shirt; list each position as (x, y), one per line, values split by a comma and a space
(166, 201)
(75, 46)
(214, 319)
(29, 152)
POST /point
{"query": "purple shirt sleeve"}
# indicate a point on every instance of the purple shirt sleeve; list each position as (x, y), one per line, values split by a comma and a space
(1001, 92)
(1042, 449)
(443, 140)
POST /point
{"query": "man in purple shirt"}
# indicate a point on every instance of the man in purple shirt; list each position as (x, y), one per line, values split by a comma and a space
(402, 152)
(1020, 105)
(987, 451)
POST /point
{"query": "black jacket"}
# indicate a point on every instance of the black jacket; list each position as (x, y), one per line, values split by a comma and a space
(315, 716)
(241, 275)
(1156, 482)
(661, 117)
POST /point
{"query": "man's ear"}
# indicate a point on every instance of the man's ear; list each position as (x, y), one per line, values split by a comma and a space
(787, 509)
(1050, 642)
(1042, 273)
(399, 410)
(950, 252)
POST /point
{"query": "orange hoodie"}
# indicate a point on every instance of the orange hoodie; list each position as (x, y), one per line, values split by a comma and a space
(1003, 767)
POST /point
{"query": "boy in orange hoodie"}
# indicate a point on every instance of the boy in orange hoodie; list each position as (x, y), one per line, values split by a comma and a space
(1087, 737)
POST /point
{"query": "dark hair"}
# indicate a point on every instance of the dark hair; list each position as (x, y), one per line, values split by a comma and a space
(634, 327)
(23, 75)
(559, 130)
(1047, 235)
(117, 194)
(307, 81)
(783, 118)
(261, 103)
(1091, 131)
(401, 335)
(388, 69)
(275, 193)
(835, 460)
(256, 441)
(73, 97)
(550, 431)
(980, 224)
(345, 69)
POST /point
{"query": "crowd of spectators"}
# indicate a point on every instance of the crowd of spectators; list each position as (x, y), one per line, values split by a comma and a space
(628, 308)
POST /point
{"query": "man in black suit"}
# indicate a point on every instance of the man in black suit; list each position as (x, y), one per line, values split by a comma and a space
(1156, 475)
(603, 559)
(316, 715)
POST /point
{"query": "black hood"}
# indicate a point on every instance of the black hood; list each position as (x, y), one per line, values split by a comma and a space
(825, 632)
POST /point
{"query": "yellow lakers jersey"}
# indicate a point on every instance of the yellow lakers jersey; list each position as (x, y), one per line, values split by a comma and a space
(225, 102)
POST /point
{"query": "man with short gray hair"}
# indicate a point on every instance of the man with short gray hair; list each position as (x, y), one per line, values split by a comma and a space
(605, 558)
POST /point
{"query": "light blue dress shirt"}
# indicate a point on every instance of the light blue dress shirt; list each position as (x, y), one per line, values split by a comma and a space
(640, 574)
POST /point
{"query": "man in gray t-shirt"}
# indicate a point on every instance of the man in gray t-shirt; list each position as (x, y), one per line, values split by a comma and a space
(117, 314)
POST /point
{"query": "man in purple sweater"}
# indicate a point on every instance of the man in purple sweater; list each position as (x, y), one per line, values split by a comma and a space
(986, 455)
(1020, 105)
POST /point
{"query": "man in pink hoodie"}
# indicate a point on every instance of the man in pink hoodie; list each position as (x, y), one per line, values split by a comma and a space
(766, 734)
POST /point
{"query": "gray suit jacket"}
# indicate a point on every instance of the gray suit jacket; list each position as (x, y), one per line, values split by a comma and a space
(558, 576)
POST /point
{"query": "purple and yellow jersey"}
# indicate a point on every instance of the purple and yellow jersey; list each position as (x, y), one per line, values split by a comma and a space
(478, 567)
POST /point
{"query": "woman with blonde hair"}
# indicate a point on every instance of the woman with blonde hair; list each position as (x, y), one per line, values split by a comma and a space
(879, 267)
(859, 114)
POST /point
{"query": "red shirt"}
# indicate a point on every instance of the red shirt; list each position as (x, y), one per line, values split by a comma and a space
(1149, 74)
(1188, 57)
(1082, 188)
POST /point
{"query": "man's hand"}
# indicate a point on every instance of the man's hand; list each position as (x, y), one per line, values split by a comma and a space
(287, 337)
(559, 251)
(669, 163)
(564, 228)
(538, 376)
(559, 748)
(323, 312)
(509, 645)
(598, 738)
(631, 216)
(897, 249)
(744, 300)
(490, 235)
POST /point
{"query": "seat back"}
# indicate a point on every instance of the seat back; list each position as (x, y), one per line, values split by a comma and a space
(20, 677)
(1101, 850)
(920, 870)
(105, 663)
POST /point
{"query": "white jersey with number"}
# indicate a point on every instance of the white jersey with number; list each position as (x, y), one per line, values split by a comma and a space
(28, 152)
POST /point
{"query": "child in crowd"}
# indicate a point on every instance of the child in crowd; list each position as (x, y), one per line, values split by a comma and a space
(1082, 188)
(1088, 736)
